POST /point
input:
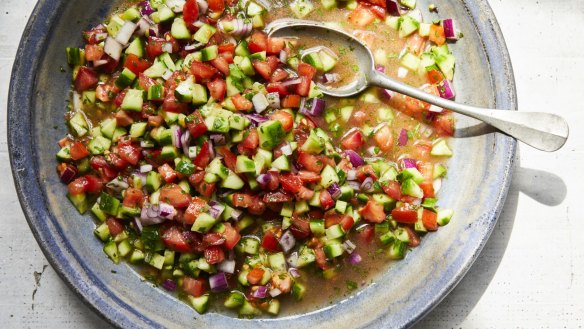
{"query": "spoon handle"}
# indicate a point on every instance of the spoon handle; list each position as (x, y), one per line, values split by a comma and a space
(544, 131)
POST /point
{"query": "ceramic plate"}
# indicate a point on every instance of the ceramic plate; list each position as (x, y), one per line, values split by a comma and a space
(476, 187)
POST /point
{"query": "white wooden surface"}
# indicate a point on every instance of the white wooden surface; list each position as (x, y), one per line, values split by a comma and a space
(531, 272)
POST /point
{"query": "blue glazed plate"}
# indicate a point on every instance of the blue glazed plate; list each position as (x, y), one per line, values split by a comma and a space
(476, 188)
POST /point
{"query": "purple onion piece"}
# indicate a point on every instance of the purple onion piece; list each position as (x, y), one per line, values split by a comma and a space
(138, 224)
(402, 140)
(291, 82)
(287, 241)
(292, 259)
(313, 107)
(260, 292)
(218, 282)
(227, 266)
(367, 184)
(69, 173)
(354, 185)
(145, 8)
(334, 190)
(380, 68)
(264, 180)
(287, 149)
(236, 214)
(393, 8)
(387, 94)
(256, 118)
(145, 168)
(216, 210)
(446, 89)
(275, 292)
(355, 258)
(294, 272)
(203, 6)
(167, 211)
(351, 174)
(409, 163)
(331, 77)
(169, 285)
(154, 30)
(176, 136)
(349, 246)
(450, 31)
(218, 139)
(283, 56)
(355, 158)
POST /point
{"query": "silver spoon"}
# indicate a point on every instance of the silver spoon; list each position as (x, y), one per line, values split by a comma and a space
(544, 131)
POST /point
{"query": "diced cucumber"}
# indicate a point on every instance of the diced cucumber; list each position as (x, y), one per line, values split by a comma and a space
(78, 124)
(125, 79)
(136, 47)
(328, 61)
(254, 9)
(328, 176)
(282, 163)
(329, 4)
(247, 309)
(410, 61)
(234, 300)
(412, 173)
(209, 53)
(335, 232)
(387, 202)
(241, 49)
(314, 60)
(200, 304)
(185, 90)
(156, 93)
(75, 56)
(274, 305)
(444, 216)
(98, 145)
(168, 152)
(179, 29)
(397, 250)
(277, 262)
(204, 33)
(153, 181)
(244, 165)
(305, 256)
(165, 14)
(439, 171)
(314, 144)
(111, 250)
(232, 181)
(440, 148)
(271, 134)
(203, 223)
(407, 26)
(408, 3)
(333, 250)
(424, 29)
(387, 238)
(156, 70)
(216, 167)
(199, 94)
(79, 201)
(133, 100)
(107, 127)
(301, 8)
(410, 188)
(446, 63)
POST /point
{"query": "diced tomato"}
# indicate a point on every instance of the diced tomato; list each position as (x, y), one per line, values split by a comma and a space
(279, 75)
(123, 119)
(290, 182)
(120, 98)
(174, 238)
(214, 255)
(154, 47)
(429, 219)
(136, 64)
(217, 6)
(263, 68)
(426, 169)
(286, 118)
(93, 52)
(100, 164)
(115, 160)
(241, 103)
(326, 200)
(308, 176)
(404, 215)
(428, 189)
(221, 64)
(291, 102)
(241, 200)
(437, 34)
(275, 45)
(202, 71)
(94, 184)
(304, 193)
(133, 197)
(303, 88)
(378, 11)
(206, 189)
(204, 157)
(167, 173)
(361, 16)
(414, 237)
(171, 104)
(196, 206)
(257, 207)
(217, 89)
(175, 196)
(354, 141)
(250, 142)
(255, 276)
(366, 171)
(86, 78)
(258, 42)
(114, 226)
(435, 76)
(416, 44)
(110, 65)
(229, 158)
(384, 139)
(77, 186)
(414, 105)
(228, 56)
(104, 92)
(85, 184)
(91, 36)
(227, 48)
(277, 197)
(270, 242)
(190, 12)
(310, 162)
(196, 124)
(300, 227)
(444, 124)
(321, 258)
(145, 82)
(78, 151)
(306, 70)
(373, 212)
(231, 236)
(392, 189)
(194, 287)
(130, 154)
(366, 234)
(277, 87)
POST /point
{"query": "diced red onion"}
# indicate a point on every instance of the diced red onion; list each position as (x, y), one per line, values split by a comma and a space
(313, 107)
(260, 292)
(409, 163)
(275, 292)
(273, 100)
(355, 258)
(185, 140)
(198, 24)
(354, 185)
(176, 136)
(402, 140)
(218, 139)
(388, 94)
(145, 8)
(143, 26)
(286, 149)
(99, 37)
(355, 158)
(218, 282)
(380, 68)
(169, 285)
(446, 89)
(117, 185)
(416, 201)
(291, 82)
(393, 8)
(167, 211)
(203, 6)
(154, 30)
(367, 184)
(260, 102)
(287, 241)
(138, 224)
(264, 180)
(435, 109)
(227, 266)
(167, 47)
(292, 260)
(236, 214)
(241, 27)
(150, 215)
(283, 56)
(331, 77)
(113, 48)
(139, 175)
(294, 272)
(256, 118)
(176, 5)
(211, 149)
(334, 190)
(351, 174)
(125, 33)
(216, 209)
(100, 62)
(145, 168)
(295, 168)
(69, 173)
(372, 150)
(450, 31)
(349, 246)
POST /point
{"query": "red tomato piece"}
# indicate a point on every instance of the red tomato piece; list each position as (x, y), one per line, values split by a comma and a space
(196, 206)
(204, 157)
(290, 182)
(214, 255)
(437, 34)
(354, 141)
(279, 75)
(241, 103)
(384, 139)
(303, 88)
(196, 124)
(227, 48)
(241, 200)
(231, 236)
(136, 64)
(393, 190)
(300, 227)
(278, 197)
(167, 173)
(263, 68)
(275, 45)
(249, 143)
(277, 87)
(326, 200)
(217, 89)
(306, 70)
(229, 158)
(444, 124)
(175, 196)
(366, 234)
(304, 193)
(206, 189)
(194, 287)
(270, 242)
(429, 219)
(373, 212)
(308, 176)
(361, 16)
(291, 102)
(86, 78)
(77, 186)
(114, 226)
(93, 52)
(404, 215)
(217, 6)
(130, 153)
(310, 162)
(133, 197)
(255, 276)
(78, 151)
(93, 184)
(221, 64)
(258, 42)
(286, 118)
(202, 71)
(190, 12)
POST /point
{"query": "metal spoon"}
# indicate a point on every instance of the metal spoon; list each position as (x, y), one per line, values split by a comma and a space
(544, 131)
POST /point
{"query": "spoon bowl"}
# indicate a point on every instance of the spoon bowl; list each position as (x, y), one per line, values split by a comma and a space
(544, 131)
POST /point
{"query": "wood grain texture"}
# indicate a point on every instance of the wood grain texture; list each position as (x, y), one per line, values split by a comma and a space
(529, 275)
